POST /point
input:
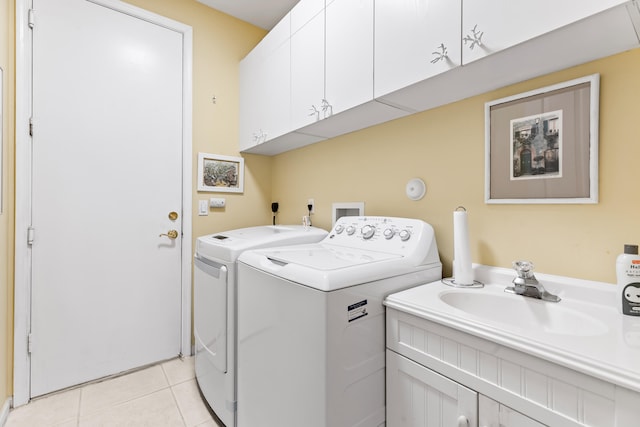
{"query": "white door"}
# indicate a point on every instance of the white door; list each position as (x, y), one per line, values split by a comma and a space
(107, 173)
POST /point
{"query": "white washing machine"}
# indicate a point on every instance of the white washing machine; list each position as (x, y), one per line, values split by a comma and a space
(311, 324)
(214, 299)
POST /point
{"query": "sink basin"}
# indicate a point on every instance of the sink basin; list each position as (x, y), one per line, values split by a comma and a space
(529, 314)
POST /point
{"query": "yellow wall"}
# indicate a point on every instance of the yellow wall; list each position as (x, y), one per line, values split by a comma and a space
(445, 147)
(219, 43)
(6, 217)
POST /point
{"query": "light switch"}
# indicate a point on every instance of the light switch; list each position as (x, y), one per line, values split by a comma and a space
(203, 207)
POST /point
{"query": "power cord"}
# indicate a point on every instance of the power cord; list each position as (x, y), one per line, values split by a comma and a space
(274, 209)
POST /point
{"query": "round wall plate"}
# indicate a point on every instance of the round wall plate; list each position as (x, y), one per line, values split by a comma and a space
(416, 189)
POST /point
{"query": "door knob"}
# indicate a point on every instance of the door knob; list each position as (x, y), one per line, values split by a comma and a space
(172, 234)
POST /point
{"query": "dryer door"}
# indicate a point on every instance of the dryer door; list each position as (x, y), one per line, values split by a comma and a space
(210, 311)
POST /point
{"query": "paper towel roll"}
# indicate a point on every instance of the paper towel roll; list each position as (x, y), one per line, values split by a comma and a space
(462, 272)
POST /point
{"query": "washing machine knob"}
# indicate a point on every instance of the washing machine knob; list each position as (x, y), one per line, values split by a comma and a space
(339, 229)
(389, 233)
(350, 230)
(405, 235)
(368, 231)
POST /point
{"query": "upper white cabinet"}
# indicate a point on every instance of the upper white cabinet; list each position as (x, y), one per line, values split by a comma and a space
(331, 58)
(414, 40)
(331, 67)
(307, 62)
(349, 54)
(516, 40)
(490, 26)
(265, 92)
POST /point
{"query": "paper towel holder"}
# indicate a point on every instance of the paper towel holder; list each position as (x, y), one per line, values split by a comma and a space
(451, 281)
(416, 189)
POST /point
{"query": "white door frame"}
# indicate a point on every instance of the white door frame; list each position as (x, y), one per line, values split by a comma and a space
(22, 284)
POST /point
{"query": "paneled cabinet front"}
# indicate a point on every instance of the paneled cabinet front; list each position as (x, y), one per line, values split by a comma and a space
(490, 26)
(331, 58)
(414, 40)
(265, 92)
(360, 65)
(420, 397)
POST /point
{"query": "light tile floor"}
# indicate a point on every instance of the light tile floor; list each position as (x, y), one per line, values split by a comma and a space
(162, 395)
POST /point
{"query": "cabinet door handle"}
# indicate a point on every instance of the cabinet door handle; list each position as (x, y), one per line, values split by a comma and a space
(463, 421)
(314, 112)
(327, 107)
(475, 38)
(440, 54)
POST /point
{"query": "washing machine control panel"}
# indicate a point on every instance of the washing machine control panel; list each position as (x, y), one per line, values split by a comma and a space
(385, 234)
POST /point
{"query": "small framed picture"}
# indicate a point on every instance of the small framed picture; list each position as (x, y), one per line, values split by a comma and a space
(542, 146)
(220, 173)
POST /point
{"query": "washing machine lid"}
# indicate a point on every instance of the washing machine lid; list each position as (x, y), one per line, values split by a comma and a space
(228, 245)
(357, 250)
(329, 267)
(325, 257)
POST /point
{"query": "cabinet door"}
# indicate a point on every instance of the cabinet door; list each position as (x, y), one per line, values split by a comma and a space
(349, 54)
(410, 35)
(265, 93)
(419, 397)
(307, 66)
(249, 109)
(494, 414)
(518, 21)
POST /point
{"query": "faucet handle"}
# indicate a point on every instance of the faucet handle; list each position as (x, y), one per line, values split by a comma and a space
(524, 269)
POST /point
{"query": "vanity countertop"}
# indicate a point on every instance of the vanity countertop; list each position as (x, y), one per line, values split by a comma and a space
(584, 331)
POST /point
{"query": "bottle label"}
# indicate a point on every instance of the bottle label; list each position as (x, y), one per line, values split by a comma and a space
(633, 270)
(631, 299)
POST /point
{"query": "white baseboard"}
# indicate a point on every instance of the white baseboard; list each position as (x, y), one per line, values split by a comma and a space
(4, 412)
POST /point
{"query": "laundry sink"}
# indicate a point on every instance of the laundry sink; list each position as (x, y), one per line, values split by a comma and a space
(491, 306)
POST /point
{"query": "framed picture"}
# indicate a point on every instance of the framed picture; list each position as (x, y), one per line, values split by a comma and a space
(220, 173)
(542, 146)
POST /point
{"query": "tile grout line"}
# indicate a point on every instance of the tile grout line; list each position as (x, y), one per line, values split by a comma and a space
(173, 394)
(79, 406)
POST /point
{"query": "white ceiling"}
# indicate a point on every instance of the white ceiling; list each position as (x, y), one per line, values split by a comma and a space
(261, 13)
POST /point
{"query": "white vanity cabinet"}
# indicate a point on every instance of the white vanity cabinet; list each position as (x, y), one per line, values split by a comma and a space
(436, 374)
(265, 93)
(420, 397)
(494, 414)
(414, 40)
(506, 23)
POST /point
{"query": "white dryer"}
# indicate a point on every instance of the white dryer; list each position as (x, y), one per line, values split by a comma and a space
(214, 299)
(311, 324)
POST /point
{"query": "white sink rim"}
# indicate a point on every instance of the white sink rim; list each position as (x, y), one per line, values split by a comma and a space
(525, 313)
(612, 356)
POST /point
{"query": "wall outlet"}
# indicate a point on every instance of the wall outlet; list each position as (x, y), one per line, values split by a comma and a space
(313, 205)
(217, 202)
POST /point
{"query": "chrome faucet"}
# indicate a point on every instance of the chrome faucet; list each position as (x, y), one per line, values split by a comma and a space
(527, 285)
